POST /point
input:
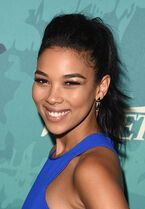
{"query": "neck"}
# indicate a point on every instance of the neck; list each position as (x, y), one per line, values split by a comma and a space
(67, 141)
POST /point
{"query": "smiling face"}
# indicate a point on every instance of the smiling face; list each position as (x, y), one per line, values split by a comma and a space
(64, 91)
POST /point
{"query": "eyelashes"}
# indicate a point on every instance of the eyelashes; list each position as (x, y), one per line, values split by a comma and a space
(42, 81)
(73, 83)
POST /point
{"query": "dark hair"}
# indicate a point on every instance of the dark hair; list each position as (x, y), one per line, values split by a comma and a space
(80, 33)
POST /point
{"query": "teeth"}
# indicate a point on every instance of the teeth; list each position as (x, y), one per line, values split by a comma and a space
(57, 114)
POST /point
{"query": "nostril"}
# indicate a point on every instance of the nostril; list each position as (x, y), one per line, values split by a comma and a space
(54, 99)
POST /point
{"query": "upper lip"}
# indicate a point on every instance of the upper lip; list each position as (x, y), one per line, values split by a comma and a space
(55, 110)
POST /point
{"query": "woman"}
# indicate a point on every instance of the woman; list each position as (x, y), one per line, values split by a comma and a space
(76, 95)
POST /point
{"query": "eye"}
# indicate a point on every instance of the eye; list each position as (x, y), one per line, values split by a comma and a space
(41, 81)
(72, 83)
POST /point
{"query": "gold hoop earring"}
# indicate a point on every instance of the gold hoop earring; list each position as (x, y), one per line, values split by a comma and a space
(98, 103)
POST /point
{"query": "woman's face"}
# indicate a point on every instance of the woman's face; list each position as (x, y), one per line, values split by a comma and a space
(64, 90)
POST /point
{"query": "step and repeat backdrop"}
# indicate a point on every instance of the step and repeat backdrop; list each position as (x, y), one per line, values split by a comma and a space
(24, 141)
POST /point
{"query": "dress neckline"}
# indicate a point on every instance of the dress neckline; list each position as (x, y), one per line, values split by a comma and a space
(75, 147)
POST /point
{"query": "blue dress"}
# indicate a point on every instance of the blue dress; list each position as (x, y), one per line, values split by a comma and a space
(53, 167)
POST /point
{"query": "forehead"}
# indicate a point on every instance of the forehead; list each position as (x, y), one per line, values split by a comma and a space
(63, 61)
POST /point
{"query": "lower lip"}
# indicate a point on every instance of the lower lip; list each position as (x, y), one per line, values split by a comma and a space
(55, 118)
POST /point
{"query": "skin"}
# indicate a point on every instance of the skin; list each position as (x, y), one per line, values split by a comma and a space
(65, 83)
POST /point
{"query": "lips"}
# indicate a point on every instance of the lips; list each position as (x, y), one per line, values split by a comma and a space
(56, 115)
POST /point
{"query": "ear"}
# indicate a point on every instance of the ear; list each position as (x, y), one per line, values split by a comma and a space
(103, 87)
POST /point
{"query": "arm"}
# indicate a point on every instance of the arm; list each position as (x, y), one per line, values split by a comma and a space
(98, 182)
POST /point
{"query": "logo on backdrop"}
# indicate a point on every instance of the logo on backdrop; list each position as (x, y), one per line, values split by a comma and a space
(135, 124)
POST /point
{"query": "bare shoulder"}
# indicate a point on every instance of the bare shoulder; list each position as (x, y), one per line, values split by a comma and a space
(97, 179)
(99, 161)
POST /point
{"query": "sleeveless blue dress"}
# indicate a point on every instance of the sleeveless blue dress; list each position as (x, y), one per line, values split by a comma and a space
(54, 166)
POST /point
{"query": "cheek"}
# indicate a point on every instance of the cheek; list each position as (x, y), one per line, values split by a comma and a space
(36, 94)
(82, 99)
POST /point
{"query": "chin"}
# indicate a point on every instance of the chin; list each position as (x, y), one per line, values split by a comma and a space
(56, 131)
(59, 130)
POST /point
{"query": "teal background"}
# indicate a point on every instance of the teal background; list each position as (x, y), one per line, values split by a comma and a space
(23, 149)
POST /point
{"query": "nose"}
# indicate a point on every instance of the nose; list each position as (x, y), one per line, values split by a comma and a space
(54, 96)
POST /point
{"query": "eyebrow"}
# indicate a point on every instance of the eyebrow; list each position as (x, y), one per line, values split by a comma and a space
(73, 75)
(41, 73)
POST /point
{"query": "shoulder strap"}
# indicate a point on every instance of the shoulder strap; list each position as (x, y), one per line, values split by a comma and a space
(94, 140)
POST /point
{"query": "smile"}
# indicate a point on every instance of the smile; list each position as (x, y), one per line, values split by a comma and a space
(56, 116)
